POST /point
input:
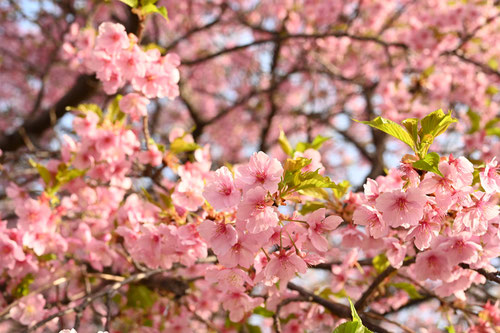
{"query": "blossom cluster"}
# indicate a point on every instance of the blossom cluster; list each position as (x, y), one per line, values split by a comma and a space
(440, 218)
(116, 59)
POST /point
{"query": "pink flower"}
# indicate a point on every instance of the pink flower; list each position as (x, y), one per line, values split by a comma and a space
(112, 37)
(228, 279)
(187, 194)
(220, 191)
(284, 266)
(371, 190)
(372, 219)
(10, 251)
(132, 63)
(262, 170)
(33, 215)
(460, 249)
(152, 156)
(242, 253)
(476, 214)
(161, 77)
(318, 224)
(395, 252)
(402, 208)
(464, 170)
(424, 233)
(432, 264)
(238, 304)
(255, 210)
(435, 183)
(134, 105)
(220, 236)
(490, 178)
(29, 310)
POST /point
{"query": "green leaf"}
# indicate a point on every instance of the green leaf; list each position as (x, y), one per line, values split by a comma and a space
(285, 145)
(262, 311)
(493, 64)
(411, 125)
(492, 90)
(293, 165)
(380, 263)
(316, 144)
(114, 112)
(475, 120)
(409, 288)
(430, 162)
(311, 206)
(151, 8)
(148, 2)
(86, 108)
(317, 193)
(23, 288)
(492, 128)
(493, 131)
(181, 146)
(253, 328)
(354, 326)
(350, 327)
(47, 257)
(140, 296)
(428, 71)
(327, 292)
(312, 179)
(131, 3)
(391, 128)
(436, 123)
(354, 314)
(43, 171)
(341, 189)
(450, 329)
(318, 141)
(68, 175)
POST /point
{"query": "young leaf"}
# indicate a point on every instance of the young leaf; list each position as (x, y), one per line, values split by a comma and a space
(341, 189)
(354, 326)
(293, 165)
(285, 145)
(140, 296)
(430, 163)
(311, 206)
(261, 311)
(409, 288)
(316, 144)
(475, 120)
(23, 288)
(85, 108)
(152, 8)
(68, 175)
(312, 180)
(181, 146)
(318, 141)
(391, 128)
(318, 193)
(380, 263)
(435, 123)
(43, 171)
(131, 3)
(411, 125)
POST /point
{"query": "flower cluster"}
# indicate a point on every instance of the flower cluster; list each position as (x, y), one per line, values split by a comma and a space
(440, 218)
(116, 58)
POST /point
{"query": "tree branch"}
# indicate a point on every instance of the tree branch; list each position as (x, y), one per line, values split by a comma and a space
(337, 309)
